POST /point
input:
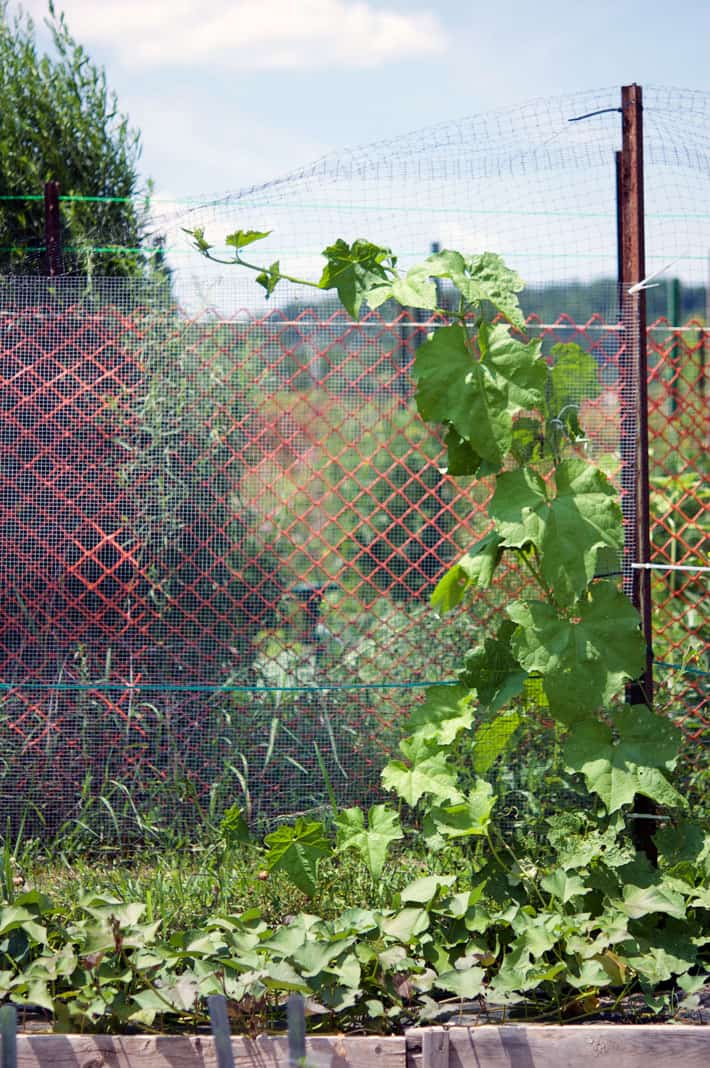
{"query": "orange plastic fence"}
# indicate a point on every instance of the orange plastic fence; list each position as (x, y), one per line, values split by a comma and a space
(217, 536)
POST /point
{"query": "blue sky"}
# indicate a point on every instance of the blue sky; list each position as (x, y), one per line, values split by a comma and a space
(229, 93)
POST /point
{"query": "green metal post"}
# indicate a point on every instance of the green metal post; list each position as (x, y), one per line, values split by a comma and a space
(673, 316)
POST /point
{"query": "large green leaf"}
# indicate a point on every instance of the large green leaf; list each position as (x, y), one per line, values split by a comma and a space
(492, 739)
(493, 671)
(429, 774)
(584, 658)
(564, 886)
(568, 529)
(468, 983)
(574, 377)
(645, 737)
(358, 274)
(476, 568)
(296, 850)
(446, 711)
(463, 820)
(423, 891)
(489, 279)
(461, 458)
(479, 279)
(415, 290)
(371, 842)
(479, 397)
(641, 900)
(607, 769)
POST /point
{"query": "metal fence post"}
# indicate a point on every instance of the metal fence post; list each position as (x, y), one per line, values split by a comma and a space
(8, 1036)
(637, 581)
(53, 230)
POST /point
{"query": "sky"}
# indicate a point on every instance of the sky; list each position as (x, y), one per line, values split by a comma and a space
(231, 93)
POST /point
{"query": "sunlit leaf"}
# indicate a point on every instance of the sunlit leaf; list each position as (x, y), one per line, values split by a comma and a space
(608, 771)
(358, 274)
(568, 528)
(430, 776)
(242, 238)
(445, 712)
(296, 850)
(479, 397)
(584, 658)
(476, 568)
(371, 841)
(492, 739)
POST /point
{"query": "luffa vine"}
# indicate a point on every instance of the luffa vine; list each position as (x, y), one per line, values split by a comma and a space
(507, 416)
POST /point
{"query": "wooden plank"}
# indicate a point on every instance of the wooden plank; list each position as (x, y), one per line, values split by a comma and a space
(578, 1045)
(431, 1043)
(487, 1046)
(140, 1051)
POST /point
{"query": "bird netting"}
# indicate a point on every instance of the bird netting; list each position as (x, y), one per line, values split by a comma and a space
(221, 520)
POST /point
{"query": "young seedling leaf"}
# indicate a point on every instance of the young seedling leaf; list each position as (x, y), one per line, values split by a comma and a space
(242, 238)
(270, 278)
(371, 842)
(296, 850)
(358, 273)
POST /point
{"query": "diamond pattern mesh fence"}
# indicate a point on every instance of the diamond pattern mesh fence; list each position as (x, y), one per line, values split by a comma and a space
(218, 539)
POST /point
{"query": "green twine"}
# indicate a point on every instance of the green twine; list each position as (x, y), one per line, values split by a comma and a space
(227, 688)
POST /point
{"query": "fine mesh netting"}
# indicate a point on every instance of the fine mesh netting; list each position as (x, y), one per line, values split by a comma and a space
(527, 182)
(221, 520)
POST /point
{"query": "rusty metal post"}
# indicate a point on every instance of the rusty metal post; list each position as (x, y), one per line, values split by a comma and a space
(634, 419)
(52, 229)
(633, 271)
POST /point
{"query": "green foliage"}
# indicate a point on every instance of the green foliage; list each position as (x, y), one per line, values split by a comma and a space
(297, 850)
(479, 397)
(585, 657)
(59, 121)
(526, 515)
(371, 841)
(583, 913)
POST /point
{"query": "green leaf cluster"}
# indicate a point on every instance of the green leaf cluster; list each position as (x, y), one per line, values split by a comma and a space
(59, 121)
(589, 913)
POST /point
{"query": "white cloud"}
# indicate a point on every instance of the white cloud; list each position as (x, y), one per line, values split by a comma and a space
(252, 34)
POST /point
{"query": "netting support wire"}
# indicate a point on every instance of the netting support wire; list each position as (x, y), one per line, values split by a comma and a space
(669, 567)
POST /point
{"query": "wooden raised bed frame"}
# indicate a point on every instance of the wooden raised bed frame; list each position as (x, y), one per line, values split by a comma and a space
(487, 1046)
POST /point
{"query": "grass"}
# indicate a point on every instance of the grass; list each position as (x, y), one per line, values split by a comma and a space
(184, 885)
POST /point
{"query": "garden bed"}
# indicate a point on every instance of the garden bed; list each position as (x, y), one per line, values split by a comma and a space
(487, 1046)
